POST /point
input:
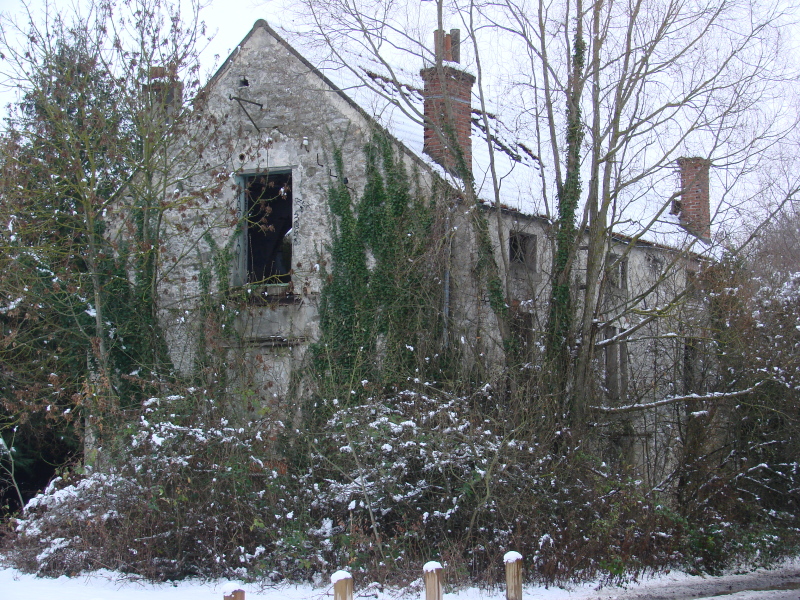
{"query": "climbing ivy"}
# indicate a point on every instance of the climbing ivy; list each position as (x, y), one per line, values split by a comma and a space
(561, 302)
(375, 308)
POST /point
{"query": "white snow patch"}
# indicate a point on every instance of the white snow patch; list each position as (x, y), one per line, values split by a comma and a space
(231, 587)
(109, 585)
(511, 557)
(431, 566)
(339, 575)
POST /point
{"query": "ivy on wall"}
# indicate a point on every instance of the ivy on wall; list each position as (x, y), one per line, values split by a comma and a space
(378, 304)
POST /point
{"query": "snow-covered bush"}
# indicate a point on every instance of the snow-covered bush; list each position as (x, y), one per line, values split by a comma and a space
(385, 484)
(59, 527)
(397, 480)
(767, 426)
(740, 484)
(188, 494)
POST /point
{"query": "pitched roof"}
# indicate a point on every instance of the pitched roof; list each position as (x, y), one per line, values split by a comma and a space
(394, 101)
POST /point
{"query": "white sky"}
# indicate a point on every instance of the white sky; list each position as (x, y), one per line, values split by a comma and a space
(228, 20)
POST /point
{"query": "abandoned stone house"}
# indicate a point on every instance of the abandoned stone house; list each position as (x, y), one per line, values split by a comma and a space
(277, 119)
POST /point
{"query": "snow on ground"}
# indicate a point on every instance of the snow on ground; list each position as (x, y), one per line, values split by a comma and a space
(777, 584)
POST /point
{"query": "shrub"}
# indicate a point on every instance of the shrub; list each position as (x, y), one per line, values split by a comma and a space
(186, 495)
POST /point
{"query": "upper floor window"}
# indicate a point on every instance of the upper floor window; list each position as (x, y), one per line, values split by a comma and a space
(522, 249)
(267, 204)
(694, 283)
(617, 269)
(655, 264)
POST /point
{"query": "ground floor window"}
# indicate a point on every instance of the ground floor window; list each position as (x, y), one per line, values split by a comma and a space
(267, 202)
(616, 363)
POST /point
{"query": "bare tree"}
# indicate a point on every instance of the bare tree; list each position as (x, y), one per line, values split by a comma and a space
(606, 96)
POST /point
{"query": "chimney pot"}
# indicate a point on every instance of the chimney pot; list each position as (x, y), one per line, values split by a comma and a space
(455, 37)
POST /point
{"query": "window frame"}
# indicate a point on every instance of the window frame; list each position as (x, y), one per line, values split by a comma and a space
(523, 250)
(244, 253)
(617, 272)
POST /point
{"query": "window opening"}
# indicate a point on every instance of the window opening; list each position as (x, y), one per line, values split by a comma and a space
(694, 285)
(268, 200)
(691, 370)
(522, 330)
(522, 249)
(616, 359)
(656, 265)
(617, 272)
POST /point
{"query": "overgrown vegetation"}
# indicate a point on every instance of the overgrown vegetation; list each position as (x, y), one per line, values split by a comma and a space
(377, 326)
(406, 449)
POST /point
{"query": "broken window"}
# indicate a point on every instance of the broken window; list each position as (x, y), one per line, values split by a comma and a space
(267, 202)
(522, 330)
(617, 272)
(616, 359)
(522, 249)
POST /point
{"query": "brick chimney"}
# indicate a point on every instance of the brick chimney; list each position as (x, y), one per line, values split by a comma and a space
(164, 88)
(447, 87)
(692, 206)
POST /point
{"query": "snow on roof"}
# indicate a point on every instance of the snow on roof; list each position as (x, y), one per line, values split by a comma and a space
(394, 100)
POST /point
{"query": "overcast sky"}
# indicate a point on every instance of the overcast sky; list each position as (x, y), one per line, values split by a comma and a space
(228, 20)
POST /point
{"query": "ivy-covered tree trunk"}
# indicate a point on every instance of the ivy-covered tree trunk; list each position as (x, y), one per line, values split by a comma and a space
(560, 335)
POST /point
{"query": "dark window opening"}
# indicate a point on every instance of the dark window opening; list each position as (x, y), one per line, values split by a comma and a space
(522, 249)
(694, 285)
(616, 363)
(268, 200)
(656, 265)
(691, 370)
(617, 272)
(522, 330)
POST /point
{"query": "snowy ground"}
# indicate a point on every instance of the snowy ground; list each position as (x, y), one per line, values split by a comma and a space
(777, 584)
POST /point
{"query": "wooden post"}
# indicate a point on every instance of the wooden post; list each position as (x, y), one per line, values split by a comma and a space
(432, 574)
(234, 595)
(342, 585)
(513, 561)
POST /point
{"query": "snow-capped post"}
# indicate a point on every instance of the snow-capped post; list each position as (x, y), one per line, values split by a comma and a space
(513, 561)
(432, 574)
(232, 591)
(342, 585)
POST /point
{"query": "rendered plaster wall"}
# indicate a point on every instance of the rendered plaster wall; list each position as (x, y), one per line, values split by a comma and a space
(286, 119)
(474, 327)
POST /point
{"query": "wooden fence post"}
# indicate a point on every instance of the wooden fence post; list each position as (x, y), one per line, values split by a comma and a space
(432, 574)
(234, 595)
(342, 585)
(513, 561)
